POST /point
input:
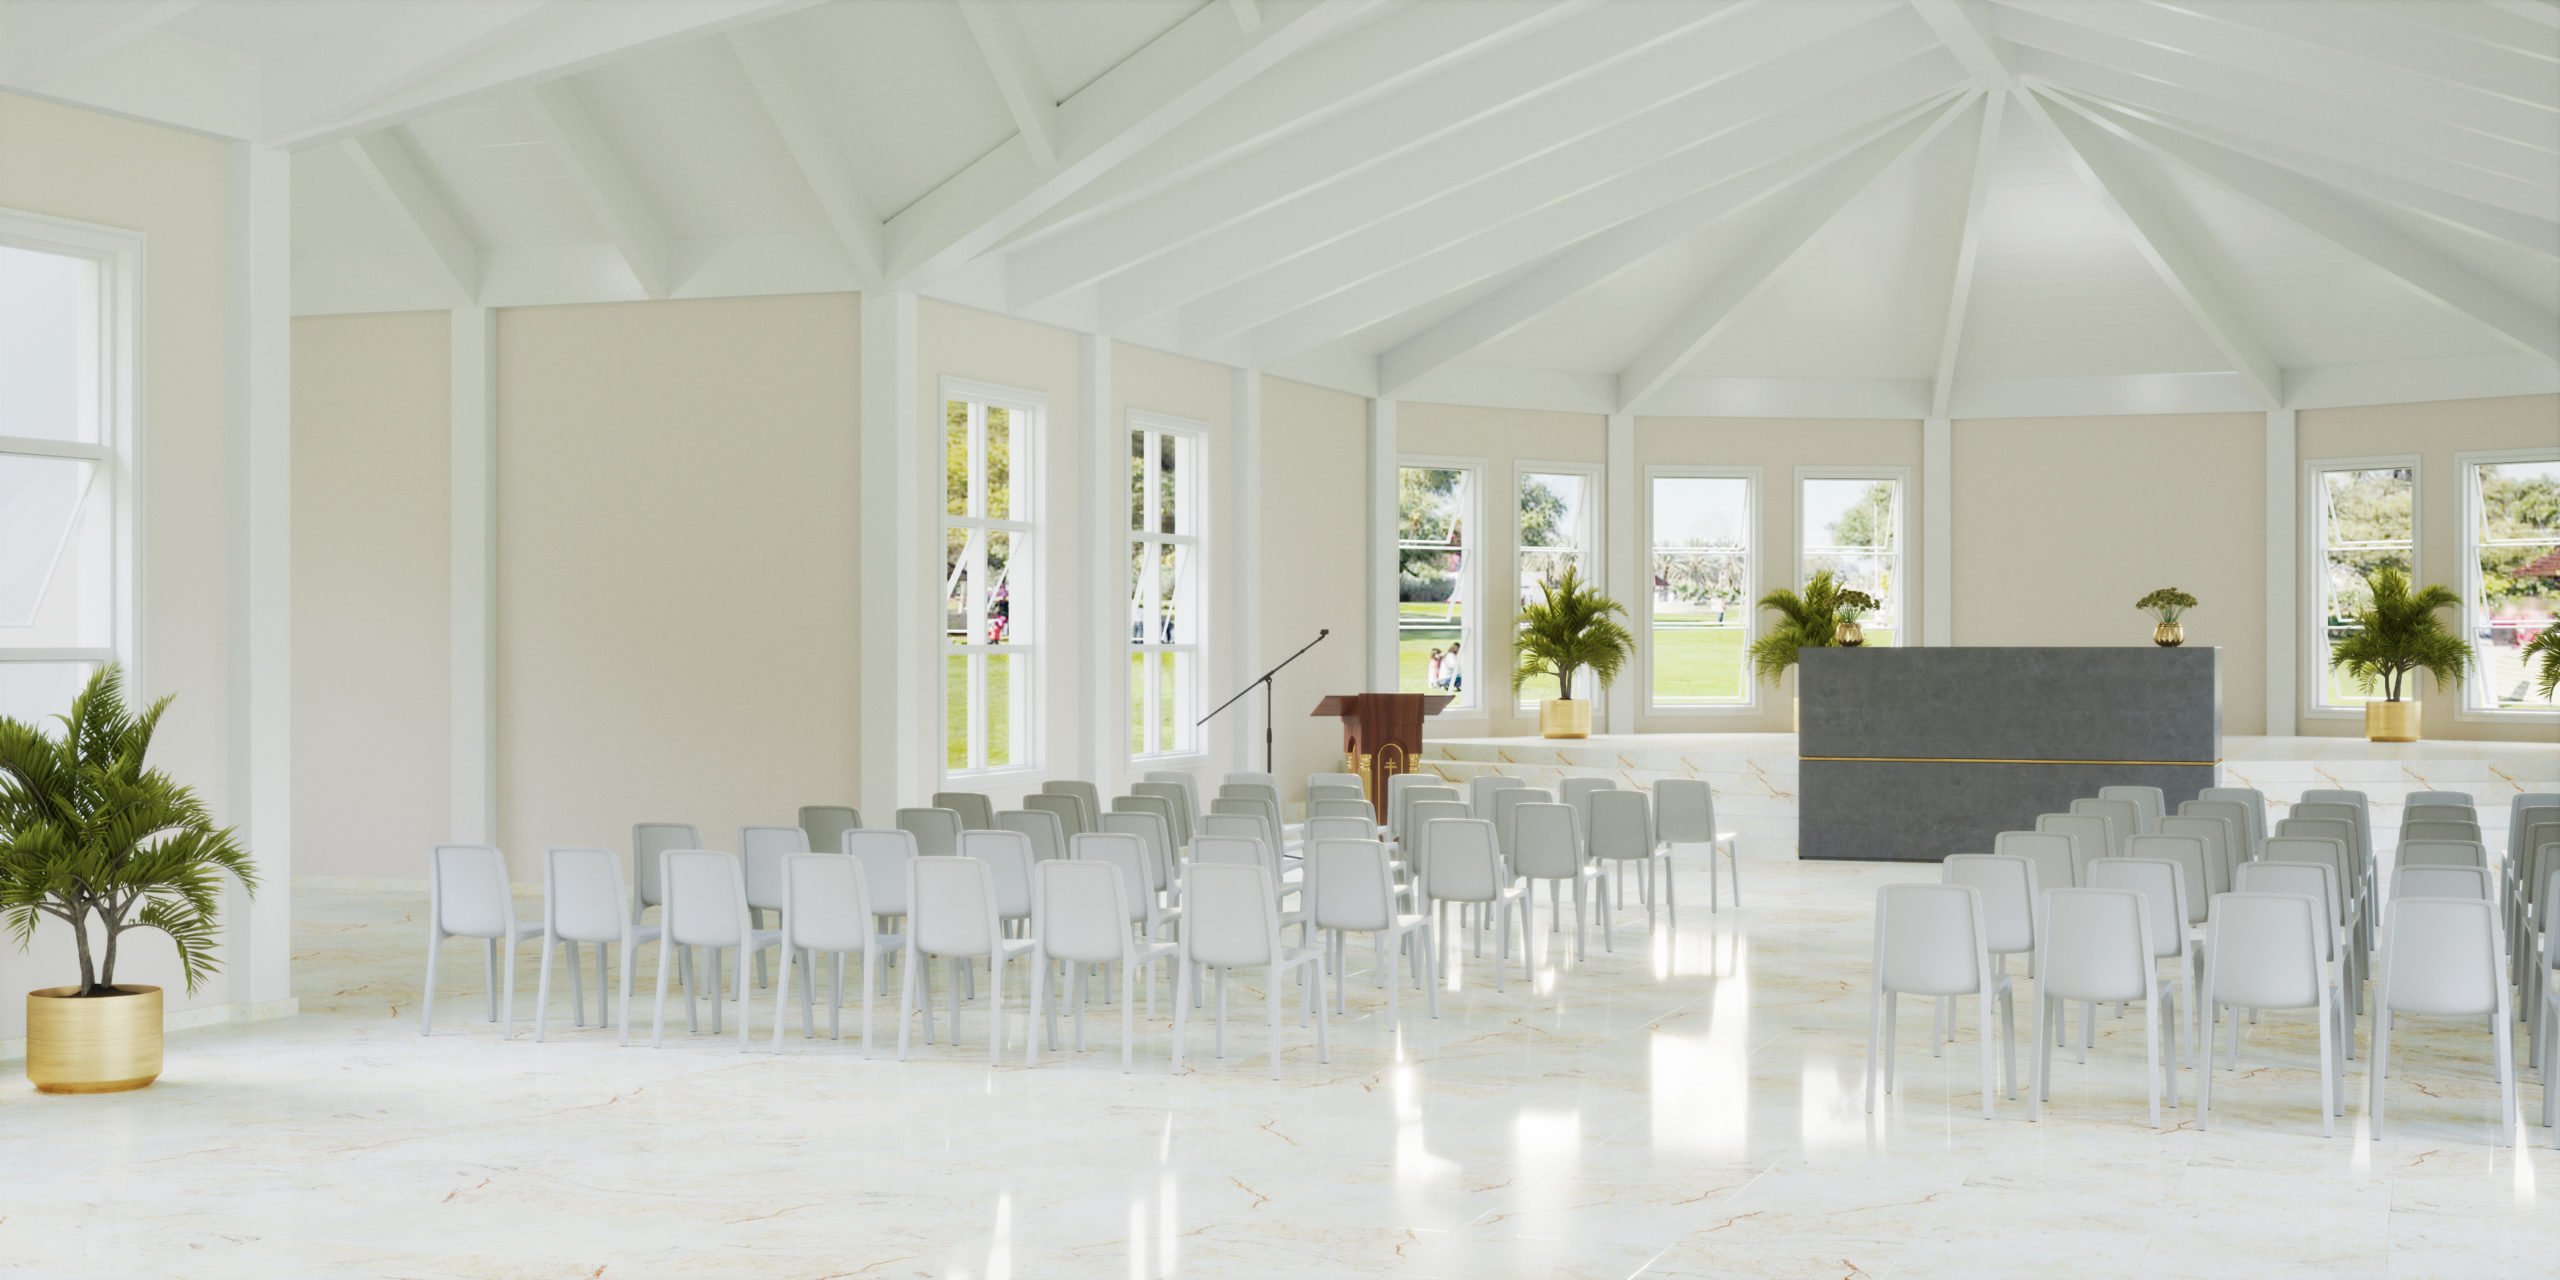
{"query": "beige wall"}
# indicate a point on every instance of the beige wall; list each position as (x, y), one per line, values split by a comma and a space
(1314, 569)
(1501, 440)
(372, 598)
(1776, 447)
(2436, 433)
(2062, 523)
(676, 567)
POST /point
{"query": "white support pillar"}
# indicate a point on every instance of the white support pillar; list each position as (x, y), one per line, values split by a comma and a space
(474, 608)
(1937, 532)
(1622, 564)
(1245, 732)
(2284, 611)
(1105, 680)
(259, 954)
(1382, 544)
(899, 750)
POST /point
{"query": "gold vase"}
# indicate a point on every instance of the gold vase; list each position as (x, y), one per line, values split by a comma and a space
(93, 1044)
(2169, 635)
(2391, 721)
(1852, 635)
(1564, 718)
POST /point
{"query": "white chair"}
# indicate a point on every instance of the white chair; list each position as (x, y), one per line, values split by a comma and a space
(1578, 792)
(1183, 778)
(883, 856)
(1008, 858)
(2438, 813)
(583, 901)
(468, 896)
(2415, 831)
(2271, 951)
(827, 823)
(2462, 798)
(2440, 957)
(762, 849)
(1424, 788)
(2540, 908)
(1177, 800)
(2252, 802)
(1335, 791)
(1621, 832)
(2366, 883)
(1397, 785)
(1460, 864)
(2163, 884)
(1047, 835)
(825, 912)
(1073, 818)
(2088, 834)
(977, 810)
(937, 831)
(2149, 806)
(2050, 852)
(1929, 942)
(1506, 802)
(1261, 810)
(2545, 1030)
(2008, 886)
(707, 907)
(1415, 852)
(1355, 892)
(1151, 831)
(2443, 880)
(1351, 780)
(1082, 913)
(1337, 827)
(1147, 907)
(2092, 946)
(951, 915)
(2245, 837)
(2331, 851)
(2317, 881)
(2195, 869)
(2221, 838)
(1232, 921)
(1546, 846)
(1481, 787)
(1684, 812)
(2440, 853)
(1087, 796)
(1251, 777)
(649, 844)
(1354, 807)
(2123, 820)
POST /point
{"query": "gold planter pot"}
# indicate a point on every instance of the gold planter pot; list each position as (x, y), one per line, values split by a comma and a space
(2391, 721)
(93, 1044)
(1564, 718)
(1852, 635)
(2169, 635)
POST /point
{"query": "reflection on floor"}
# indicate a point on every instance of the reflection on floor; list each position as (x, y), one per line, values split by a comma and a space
(1684, 1107)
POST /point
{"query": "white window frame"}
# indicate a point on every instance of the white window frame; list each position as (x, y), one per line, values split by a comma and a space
(1901, 478)
(1755, 524)
(1588, 547)
(1030, 412)
(1192, 496)
(2473, 703)
(2312, 602)
(1471, 697)
(117, 454)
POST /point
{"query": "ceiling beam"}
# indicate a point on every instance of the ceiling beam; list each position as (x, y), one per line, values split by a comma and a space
(1026, 92)
(820, 163)
(1248, 15)
(1815, 206)
(629, 224)
(2322, 212)
(392, 169)
(2405, 41)
(70, 37)
(1968, 248)
(1962, 34)
(1597, 259)
(1202, 59)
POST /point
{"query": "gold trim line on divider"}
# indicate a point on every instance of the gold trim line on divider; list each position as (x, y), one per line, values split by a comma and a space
(1988, 760)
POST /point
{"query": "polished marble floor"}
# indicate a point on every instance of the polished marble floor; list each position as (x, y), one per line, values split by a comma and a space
(1684, 1107)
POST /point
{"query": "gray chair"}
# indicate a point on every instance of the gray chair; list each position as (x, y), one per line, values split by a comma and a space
(1086, 795)
(1174, 794)
(2149, 806)
(2122, 817)
(1048, 836)
(1684, 812)
(2252, 801)
(976, 809)
(1622, 832)
(1068, 810)
(827, 823)
(2219, 837)
(2088, 834)
(937, 831)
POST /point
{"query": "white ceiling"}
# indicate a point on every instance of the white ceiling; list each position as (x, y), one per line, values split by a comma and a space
(1618, 204)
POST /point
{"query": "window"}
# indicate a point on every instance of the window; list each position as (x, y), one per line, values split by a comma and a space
(1851, 524)
(2511, 556)
(65, 545)
(1559, 530)
(1436, 650)
(989, 587)
(1166, 564)
(2368, 519)
(1698, 617)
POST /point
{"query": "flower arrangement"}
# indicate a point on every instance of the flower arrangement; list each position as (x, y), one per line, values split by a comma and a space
(2166, 604)
(1854, 604)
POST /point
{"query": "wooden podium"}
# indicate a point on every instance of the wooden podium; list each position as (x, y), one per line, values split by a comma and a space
(1382, 734)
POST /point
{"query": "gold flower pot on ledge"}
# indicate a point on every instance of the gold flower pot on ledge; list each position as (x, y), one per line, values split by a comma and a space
(1852, 635)
(1564, 718)
(93, 1044)
(2391, 721)
(2169, 635)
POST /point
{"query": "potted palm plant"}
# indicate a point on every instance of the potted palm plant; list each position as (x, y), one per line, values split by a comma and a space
(92, 837)
(2396, 635)
(1573, 627)
(1807, 620)
(2545, 650)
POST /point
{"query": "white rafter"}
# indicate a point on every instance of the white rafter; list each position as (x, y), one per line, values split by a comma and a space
(2315, 209)
(2414, 48)
(74, 36)
(1019, 81)
(1248, 15)
(1813, 208)
(820, 163)
(1968, 247)
(391, 168)
(600, 178)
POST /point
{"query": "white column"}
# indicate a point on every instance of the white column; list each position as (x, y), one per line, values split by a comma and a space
(1244, 734)
(474, 517)
(2284, 610)
(1382, 545)
(260, 935)
(899, 753)
(1937, 532)
(1623, 554)
(1104, 681)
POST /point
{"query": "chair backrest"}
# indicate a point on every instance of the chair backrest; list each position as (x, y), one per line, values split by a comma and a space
(884, 856)
(1251, 777)
(2163, 883)
(1621, 824)
(824, 905)
(1481, 789)
(2266, 949)
(2120, 816)
(1047, 835)
(977, 809)
(1353, 887)
(2462, 798)
(2246, 835)
(2188, 853)
(1684, 811)
(2095, 944)
(1578, 792)
(583, 897)
(1354, 807)
(1068, 810)
(468, 887)
(1087, 796)
(1008, 858)
(937, 831)
(1546, 842)
(1254, 790)
(951, 907)
(1183, 778)
(1461, 862)
(706, 898)
(2008, 888)
(1150, 829)
(1258, 808)
(2440, 882)
(1232, 851)
(1177, 801)
(763, 848)
(827, 823)
(2342, 831)
(2050, 851)
(1230, 914)
(2329, 811)
(2328, 851)
(1929, 939)
(2440, 957)
(1082, 909)
(2438, 813)
(2439, 831)
(2533, 877)
(2149, 806)
(1247, 825)
(2361, 803)
(1504, 813)
(2442, 853)
(1351, 780)
(2251, 800)
(2317, 881)
(1319, 792)
(2087, 833)
(1340, 828)
(2528, 808)
(1397, 785)
(1400, 820)
(2221, 837)
(649, 840)
(1126, 852)
(1419, 816)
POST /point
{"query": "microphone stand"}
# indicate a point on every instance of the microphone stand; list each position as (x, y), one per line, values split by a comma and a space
(1265, 683)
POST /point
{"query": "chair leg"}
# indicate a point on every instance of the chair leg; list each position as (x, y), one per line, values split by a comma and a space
(1892, 1031)
(995, 1009)
(542, 992)
(2379, 1066)
(1315, 994)
(1043, 1011)
(2208, 1011)
(2048, 1011)
(427, 1001)
(2510, 1131)
(489, 966)
(1580, 934)
(746, 1010)
(1271, 1013)
(577, 997)
(1222, 1014)
(1182, 980)
(782, 1000)
(2153, 1065)
(1431, 968)
(906, 1002)
(870, 961)
(1129, 1013)
(510, 946)
(1875, 1043)
(2009, 1038)
(666, 969)
(1387, 955)
(1990, 1084)
(2329, 1073)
